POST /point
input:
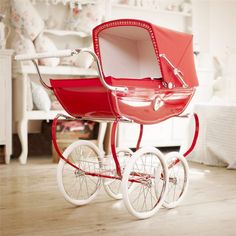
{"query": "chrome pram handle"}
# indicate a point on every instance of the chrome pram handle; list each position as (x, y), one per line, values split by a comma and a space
(58, 53)
(68, 53)
(33, 57)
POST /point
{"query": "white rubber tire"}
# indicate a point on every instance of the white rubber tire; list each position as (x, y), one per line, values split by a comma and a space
(62, 164)
(173, 198)
(127, 193)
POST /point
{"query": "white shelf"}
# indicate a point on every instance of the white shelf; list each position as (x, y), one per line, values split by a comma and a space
(81, 1)
(44, 115)
(62, 39)
(6, 102)
(136, 8)
(66, 33)
(58, 70)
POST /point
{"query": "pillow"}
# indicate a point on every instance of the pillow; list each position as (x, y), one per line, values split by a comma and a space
(68, 60)
(22, 45)
(29, 101)
(40, 97)
(84, 60)
(26, 19)
(55, 104)
(44, 44)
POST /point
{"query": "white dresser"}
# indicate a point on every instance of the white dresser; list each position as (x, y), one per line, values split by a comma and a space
(6, 102)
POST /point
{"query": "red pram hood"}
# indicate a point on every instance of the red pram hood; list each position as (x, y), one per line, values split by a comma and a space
(176, 46)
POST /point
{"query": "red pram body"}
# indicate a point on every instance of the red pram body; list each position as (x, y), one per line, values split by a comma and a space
(147, 101)
(130, 56)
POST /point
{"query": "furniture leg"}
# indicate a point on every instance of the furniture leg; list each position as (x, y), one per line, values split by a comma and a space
(101, 135)
(23, 136)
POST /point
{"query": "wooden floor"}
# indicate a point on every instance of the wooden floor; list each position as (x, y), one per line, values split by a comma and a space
(31, 204)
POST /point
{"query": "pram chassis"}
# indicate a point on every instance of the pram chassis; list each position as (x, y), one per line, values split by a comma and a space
(131, 176)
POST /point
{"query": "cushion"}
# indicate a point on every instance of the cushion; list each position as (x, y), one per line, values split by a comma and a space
(40, 97)
(26, 19)
(44, 44)
(29, 104)
(22, 45)
(84, 60)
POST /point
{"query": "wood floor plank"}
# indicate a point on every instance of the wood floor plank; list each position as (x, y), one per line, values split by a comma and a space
(30, 204)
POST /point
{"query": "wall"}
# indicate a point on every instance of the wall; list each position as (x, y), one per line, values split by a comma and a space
(222, 26)
(223, 42)
(214, 26)
(200, 26)
(215, 35)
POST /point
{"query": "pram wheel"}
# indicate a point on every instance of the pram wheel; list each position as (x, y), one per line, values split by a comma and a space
(76, 185)
(113, 186)
(178, 179)
(148, 173)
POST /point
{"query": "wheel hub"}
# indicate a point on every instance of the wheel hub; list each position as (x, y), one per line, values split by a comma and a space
(147, 182)
(79, 173)
(173, 180)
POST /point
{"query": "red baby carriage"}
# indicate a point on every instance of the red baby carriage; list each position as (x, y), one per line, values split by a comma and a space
(146, 75)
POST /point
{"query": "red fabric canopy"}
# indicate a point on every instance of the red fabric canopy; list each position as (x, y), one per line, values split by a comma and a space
(176, 46)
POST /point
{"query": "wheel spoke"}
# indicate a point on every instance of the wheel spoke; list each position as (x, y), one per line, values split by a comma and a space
(139, 194)
(77, 187)
(148, 190)
(178, 179)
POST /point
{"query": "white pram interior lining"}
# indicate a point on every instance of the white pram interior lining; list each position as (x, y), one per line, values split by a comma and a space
(127, 52)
